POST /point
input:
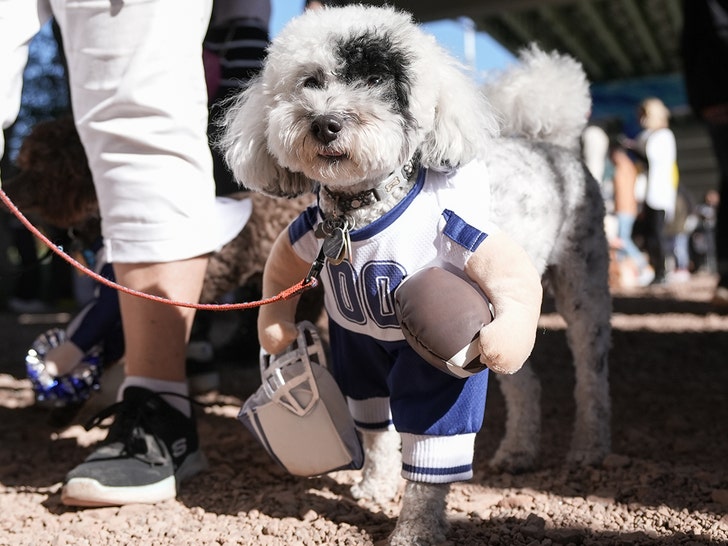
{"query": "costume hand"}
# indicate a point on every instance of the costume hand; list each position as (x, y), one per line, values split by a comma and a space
(63, 359)
(509, 279)
(276, 336)
(507, 342)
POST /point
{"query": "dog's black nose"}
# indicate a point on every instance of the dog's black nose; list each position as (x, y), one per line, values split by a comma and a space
(326, 128)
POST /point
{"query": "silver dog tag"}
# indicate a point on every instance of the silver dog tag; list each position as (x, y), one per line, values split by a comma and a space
(347, 245)
(334, 246)
(320, 230)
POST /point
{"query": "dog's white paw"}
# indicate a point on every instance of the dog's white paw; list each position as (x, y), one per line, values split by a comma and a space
(588, 454)
(585, 457)
(518, 450)
(422, 520)
(513, 462)
(418, 533)
(380, 492)
(591, 441)
(382, 467)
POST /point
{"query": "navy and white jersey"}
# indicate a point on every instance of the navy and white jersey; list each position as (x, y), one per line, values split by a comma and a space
(441, 222)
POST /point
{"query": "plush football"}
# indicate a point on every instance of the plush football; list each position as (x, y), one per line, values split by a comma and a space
(441, 316)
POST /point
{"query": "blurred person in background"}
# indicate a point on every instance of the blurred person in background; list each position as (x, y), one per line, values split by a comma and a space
(655, 153)
(705, 62)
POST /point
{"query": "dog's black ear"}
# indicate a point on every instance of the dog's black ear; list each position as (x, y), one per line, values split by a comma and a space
(244, 142)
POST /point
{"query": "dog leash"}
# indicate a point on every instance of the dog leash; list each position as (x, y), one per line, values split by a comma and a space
(309, 282)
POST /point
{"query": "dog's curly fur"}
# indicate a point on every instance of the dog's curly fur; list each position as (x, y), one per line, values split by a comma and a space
(391, 93)
(53, 179)
(54, 185)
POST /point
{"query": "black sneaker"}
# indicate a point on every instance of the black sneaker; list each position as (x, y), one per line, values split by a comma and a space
(151, 447)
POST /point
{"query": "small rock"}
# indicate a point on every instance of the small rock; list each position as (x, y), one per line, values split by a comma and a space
(516, 501)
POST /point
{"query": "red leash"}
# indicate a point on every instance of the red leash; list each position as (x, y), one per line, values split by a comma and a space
(309, 282)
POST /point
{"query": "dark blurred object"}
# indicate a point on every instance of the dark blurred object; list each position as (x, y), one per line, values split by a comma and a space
(705, 50)
(33, 280)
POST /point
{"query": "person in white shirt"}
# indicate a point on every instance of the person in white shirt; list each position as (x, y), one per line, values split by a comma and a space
(656, 152)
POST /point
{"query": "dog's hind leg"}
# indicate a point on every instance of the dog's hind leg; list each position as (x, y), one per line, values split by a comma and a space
(580, 287)
(519, 447)
(422, 519)
(381, 474)
(586, 310)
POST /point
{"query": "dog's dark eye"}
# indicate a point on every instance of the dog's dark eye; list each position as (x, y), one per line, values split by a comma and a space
(312, 82)
(374, 80)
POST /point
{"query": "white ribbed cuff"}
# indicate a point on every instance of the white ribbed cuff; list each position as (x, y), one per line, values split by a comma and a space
(372, 413)
(437, 459)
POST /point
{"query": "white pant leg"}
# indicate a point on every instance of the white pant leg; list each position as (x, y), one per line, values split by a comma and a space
(140, 102)
(20, 20)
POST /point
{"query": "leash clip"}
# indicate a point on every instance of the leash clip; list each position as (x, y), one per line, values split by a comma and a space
(316, 267)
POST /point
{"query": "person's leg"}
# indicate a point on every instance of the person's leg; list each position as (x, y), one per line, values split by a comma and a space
(719, 138)
(654, 227)
(682, 252)
(155, 333)
(140, 106)
(625, 223)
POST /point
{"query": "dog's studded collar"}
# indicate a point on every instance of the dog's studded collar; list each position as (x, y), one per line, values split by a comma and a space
(347, 202)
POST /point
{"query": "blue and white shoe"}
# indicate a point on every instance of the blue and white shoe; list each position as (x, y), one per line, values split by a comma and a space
(62, 390)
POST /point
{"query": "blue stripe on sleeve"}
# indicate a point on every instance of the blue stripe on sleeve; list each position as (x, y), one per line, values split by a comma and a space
(462, 233)
(305, 222)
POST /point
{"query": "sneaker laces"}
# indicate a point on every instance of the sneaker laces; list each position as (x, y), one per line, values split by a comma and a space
(130, 426)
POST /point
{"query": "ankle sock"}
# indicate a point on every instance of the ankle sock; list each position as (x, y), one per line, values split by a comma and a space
(160, 385)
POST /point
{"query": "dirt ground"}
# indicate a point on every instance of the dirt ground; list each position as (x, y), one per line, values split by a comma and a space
(665, 483)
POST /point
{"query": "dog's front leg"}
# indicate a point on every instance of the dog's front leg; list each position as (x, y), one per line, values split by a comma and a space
(422, 520)
(382, 466)
(519, 447)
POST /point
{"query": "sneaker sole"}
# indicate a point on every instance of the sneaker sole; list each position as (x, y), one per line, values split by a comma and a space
(88, 492)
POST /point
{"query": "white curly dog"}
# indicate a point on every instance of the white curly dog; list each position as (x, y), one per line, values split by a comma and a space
(348, 96)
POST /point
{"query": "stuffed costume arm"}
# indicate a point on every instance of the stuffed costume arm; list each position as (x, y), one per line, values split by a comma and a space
(506, 275)
(277, 321)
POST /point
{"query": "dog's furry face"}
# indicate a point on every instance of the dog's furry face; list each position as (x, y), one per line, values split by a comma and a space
(347, 95)
(346, 117)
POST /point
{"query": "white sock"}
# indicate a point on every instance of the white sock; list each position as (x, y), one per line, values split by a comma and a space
(160, 385)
